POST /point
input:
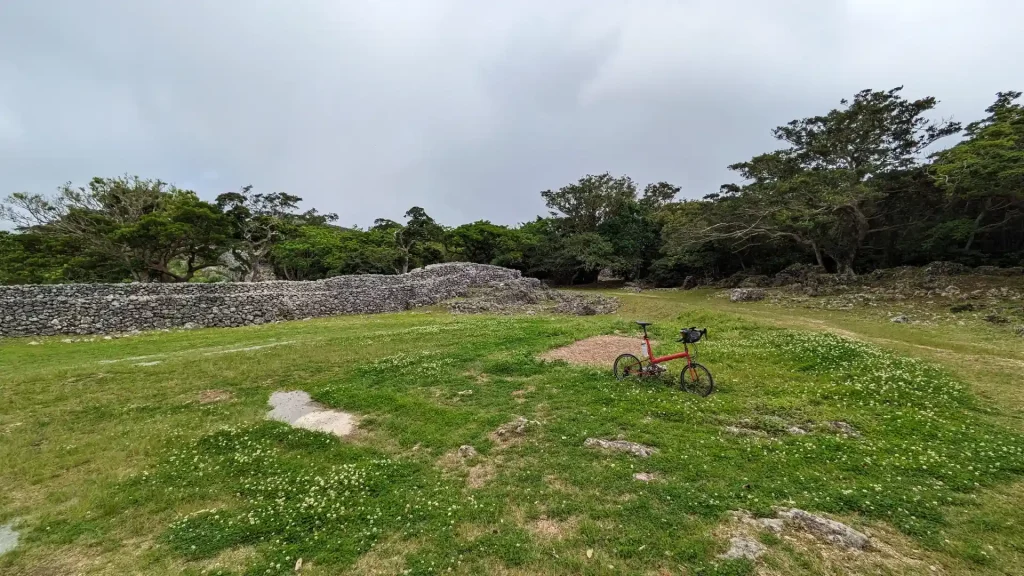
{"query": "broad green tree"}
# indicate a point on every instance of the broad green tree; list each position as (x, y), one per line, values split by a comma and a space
(986, 170)
(260, 221)
(138, 225)
(820, 190)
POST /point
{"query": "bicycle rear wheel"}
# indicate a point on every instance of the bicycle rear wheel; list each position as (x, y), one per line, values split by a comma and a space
(697, 379)
(627, 366)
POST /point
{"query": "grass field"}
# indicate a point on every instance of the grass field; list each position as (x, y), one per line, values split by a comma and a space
(151, 454)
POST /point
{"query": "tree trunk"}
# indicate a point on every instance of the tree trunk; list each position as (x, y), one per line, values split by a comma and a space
(817, 254)
(977, 223)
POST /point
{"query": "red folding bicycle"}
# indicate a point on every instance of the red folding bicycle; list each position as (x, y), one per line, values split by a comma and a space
(694, 377)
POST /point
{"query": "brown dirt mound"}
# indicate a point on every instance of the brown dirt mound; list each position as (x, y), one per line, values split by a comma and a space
(596, 351)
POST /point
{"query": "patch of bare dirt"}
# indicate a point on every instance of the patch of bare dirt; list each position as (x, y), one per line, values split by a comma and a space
(480, 475)
(550, 529)
(596, 351)
(211, 396)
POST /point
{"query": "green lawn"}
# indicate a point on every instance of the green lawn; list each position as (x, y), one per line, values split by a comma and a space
(118, 468)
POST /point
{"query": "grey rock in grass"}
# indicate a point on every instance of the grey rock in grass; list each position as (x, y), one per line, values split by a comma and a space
(467, 451)
(742, 548)
(518, 427)
(1019, 330)
(746, 295)
(639, 450)
(689, 283)
(8, 538)
(844, 428)
(300, 411)
(773, 525)
(796, 430)
(826, 529)
(644, 477)
(899, 319)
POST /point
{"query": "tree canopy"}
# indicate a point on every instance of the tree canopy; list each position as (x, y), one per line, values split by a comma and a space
(858, 187)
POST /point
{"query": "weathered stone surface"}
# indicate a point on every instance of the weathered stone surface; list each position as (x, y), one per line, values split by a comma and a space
(644, 477)
(300, 411)
(467, 451)
(741, 547)
(746, 295)
(844, 428)
(945, 269)
(517, 427)
(621, 446)
(689, 283)
(528, 295)
(826, 529)
(8, 538)
(112, 308)
(899, 319)
(756, 281)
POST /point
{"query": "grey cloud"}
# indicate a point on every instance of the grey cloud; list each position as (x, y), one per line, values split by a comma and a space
(465, 108)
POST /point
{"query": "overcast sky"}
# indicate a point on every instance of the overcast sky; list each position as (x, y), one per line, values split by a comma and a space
(466, 108)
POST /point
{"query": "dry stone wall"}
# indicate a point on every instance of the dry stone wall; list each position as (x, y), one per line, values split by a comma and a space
(105, 308)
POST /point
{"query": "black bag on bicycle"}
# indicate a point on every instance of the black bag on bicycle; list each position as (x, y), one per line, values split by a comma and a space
(691, 335)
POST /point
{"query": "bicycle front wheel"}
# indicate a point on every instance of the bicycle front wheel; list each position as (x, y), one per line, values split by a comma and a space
(697, 379)
(627, 366)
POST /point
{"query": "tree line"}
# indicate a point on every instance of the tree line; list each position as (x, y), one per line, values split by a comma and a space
(864, 186)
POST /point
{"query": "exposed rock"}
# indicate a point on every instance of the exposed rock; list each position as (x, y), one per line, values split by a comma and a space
(1019, 330)
(945, 269)
(997, 271)
(741, 547)
(773, 525)
(518, 427)
(689, 283)
(826, 529)
(796, 430)
(899, 319)
(844, 428)
(644, 477)
(746, 295)
(530, 296)
(797, 273)
(300, 411)
(633, 448)
(756, 281)
(8, 538)
(467, 451)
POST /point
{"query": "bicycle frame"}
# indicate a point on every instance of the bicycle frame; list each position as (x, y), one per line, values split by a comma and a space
(659, 359)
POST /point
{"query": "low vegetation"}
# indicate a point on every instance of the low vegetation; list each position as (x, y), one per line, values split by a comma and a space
(136, 466)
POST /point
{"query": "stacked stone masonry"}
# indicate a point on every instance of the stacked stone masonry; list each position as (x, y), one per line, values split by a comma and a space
(110, 308)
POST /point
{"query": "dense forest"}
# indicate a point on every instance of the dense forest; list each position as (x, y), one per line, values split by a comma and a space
(870, 184)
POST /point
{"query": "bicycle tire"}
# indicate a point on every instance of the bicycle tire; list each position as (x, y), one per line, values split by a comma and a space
(697, 379)
(627, 366)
